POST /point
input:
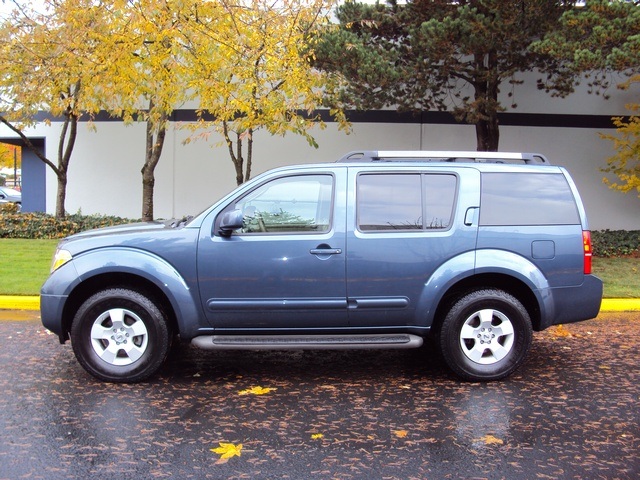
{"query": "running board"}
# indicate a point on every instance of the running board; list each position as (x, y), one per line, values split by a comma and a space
(306, 342)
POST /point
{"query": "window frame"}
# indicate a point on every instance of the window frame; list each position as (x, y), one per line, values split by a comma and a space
(423, 203)
(232, 205)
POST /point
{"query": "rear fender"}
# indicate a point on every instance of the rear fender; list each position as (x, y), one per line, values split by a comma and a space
(470, 264)
(492, 261)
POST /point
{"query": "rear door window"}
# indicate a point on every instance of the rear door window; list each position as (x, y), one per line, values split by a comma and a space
(405, 202)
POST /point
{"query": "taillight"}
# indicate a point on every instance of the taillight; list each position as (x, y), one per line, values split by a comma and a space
(586, 245)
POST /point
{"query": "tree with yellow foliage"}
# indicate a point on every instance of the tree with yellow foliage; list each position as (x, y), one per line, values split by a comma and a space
(625, 164)
(10, 155)
(146, 77)
(49, 61)
(248, 63)
(251, 65)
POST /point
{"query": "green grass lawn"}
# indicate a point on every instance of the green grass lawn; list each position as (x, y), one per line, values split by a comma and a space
(24, 266)
(621, 276)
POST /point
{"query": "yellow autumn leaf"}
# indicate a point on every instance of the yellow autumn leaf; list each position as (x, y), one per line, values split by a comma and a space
(227, 451)
(256, 391)
(491, 440)
(400, 433)
(317, 436)
(560, 331)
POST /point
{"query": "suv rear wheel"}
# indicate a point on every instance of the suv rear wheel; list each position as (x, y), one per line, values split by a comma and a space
(485, 335)
(120, 335)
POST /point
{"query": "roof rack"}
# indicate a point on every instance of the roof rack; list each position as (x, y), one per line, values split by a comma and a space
(444, 156)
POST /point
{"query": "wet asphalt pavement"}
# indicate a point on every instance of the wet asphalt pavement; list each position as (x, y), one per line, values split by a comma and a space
(571, 412)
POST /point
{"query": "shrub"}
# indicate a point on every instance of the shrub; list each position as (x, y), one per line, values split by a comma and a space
(42, 225)
(615, 243)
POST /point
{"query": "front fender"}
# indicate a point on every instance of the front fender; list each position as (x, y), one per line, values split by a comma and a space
(64, 281)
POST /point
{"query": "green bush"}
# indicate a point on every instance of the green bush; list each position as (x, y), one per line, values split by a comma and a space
(42, 225)
(615, 243)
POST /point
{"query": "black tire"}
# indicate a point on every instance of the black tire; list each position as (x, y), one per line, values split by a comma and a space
(485, 335)
(120, 335)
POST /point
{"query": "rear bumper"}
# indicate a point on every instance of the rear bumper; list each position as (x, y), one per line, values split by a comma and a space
(575, 304)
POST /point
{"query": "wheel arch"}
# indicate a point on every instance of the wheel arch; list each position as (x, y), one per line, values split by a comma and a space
(507, 283)
(137, 283)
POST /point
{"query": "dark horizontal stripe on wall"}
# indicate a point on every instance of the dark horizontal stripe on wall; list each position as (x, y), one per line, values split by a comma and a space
(392, 116)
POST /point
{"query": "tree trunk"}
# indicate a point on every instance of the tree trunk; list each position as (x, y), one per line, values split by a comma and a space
(237, 157)
(247, 175)
(61, 195)
(156, 132)
(70, 127)
(486, 100)
(487, 134)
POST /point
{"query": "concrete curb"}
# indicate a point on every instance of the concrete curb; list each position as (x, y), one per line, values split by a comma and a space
(33, 303)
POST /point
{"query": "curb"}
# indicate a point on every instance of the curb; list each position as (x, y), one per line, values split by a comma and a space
(33, 303)
(19, 302)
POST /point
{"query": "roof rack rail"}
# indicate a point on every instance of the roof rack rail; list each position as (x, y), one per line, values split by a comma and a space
(443, 156)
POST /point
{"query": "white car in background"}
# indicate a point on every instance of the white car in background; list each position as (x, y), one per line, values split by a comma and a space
(9, 195)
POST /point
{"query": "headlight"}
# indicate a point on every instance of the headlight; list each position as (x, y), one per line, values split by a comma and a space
(60, 258)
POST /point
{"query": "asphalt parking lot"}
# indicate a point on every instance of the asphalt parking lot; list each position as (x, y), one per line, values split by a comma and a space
(571, 412)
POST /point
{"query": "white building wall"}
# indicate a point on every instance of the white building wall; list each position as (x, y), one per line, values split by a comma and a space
(105, 178)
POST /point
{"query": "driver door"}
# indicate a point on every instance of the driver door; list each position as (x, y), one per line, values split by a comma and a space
(285, 268)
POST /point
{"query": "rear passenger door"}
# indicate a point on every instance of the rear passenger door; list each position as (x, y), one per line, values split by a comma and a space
(403, 225)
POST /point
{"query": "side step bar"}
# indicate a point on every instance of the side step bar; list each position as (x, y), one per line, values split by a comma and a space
(306, 342)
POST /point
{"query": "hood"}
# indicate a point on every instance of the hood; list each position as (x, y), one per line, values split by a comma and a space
(128, 228)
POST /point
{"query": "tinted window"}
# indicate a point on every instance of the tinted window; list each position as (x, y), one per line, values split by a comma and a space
(289, 204)
(405, 201)
(439, 193)
(527, 199)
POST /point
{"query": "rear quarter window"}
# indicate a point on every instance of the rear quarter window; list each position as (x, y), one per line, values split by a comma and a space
(527, 199)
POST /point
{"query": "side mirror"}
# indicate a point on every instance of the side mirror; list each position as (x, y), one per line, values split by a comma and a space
(230, 221)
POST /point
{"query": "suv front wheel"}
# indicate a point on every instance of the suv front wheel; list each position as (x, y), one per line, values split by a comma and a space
(120, 335)
(485, 335)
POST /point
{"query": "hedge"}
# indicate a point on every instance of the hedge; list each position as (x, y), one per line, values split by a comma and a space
(606, 243)
(616, 243)
(42, 225)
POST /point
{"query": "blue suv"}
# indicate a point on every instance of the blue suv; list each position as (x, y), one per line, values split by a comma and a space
(377, 250)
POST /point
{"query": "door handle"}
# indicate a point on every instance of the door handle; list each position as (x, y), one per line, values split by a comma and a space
(325, 251)
(470, 217)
